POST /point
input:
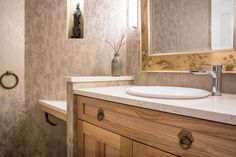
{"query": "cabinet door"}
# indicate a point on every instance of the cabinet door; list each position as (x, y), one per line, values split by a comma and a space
(97, 142)
(141, 150)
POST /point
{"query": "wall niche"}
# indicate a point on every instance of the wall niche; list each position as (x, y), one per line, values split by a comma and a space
(75, 24)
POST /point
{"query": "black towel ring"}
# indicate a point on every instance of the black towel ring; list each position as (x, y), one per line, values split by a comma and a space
(8, 73)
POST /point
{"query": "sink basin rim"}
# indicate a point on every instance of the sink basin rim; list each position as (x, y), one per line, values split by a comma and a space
(166, 93)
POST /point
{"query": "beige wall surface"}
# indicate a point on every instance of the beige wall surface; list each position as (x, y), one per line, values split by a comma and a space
(12, 105)
(180, 25)
(50, 56)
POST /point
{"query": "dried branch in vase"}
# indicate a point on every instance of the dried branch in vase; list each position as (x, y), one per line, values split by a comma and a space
(117, 45)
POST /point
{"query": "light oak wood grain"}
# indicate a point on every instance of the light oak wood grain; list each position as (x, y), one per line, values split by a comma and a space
(141, 150)
(159, 129)
(72, 109)
(94, 141)
(102, 135)
(53, 112)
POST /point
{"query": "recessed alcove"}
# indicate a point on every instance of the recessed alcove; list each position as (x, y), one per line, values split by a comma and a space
(75, 16)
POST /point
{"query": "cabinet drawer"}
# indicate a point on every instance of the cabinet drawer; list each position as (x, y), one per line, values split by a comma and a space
(141, 150)
(179, 135)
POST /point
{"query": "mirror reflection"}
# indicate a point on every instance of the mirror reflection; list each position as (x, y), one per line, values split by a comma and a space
(190, 25)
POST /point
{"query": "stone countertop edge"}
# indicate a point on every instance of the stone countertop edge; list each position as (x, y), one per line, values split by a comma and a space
(83, 79)
(218, 109)
(60, 106)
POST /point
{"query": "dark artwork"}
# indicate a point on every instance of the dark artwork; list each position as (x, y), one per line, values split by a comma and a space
(76, 29)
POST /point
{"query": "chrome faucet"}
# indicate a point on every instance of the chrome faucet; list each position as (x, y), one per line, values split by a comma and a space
(216, 74)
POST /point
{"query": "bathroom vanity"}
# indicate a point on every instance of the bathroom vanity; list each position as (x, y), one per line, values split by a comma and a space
(105, 120)
(111, 122)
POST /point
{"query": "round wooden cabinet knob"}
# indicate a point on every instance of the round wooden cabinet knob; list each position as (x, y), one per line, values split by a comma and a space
(100, 114)
(185, 139)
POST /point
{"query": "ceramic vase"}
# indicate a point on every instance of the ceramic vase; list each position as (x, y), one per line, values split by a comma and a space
(116, 66)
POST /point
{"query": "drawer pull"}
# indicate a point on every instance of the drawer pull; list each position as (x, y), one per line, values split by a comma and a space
(185, 139)
(100, 114)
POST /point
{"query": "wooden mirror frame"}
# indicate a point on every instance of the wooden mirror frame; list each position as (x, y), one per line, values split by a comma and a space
(184, 61)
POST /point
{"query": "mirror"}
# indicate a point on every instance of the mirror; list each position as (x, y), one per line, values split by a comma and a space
(183, 35)
(187, 26)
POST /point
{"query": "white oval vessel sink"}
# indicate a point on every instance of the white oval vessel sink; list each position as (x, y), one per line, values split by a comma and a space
(166, 92)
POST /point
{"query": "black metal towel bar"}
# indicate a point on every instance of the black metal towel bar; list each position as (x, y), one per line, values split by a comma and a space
(48, 120)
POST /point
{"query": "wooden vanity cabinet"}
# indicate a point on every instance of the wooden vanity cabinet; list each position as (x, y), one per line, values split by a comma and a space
(97, 142)
(142, 150)
(110, 129)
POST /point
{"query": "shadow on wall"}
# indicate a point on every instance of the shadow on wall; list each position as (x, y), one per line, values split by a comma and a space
(48, 141)
(12, 131)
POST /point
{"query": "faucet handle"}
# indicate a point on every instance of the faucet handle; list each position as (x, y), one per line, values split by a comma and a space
(216, 67)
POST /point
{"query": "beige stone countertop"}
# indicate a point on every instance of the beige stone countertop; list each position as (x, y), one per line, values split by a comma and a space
(82, 79)
(59, 106)
(219, 109)
(54, 107)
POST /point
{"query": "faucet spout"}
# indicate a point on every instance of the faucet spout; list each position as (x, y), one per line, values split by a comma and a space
(211, 73)
(216, 75)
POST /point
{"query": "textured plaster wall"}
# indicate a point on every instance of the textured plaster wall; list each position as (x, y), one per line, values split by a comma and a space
(50, 56)
(180, 25)
(12, 105)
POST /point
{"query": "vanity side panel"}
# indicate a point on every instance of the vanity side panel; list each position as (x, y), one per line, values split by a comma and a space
(71, 116)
